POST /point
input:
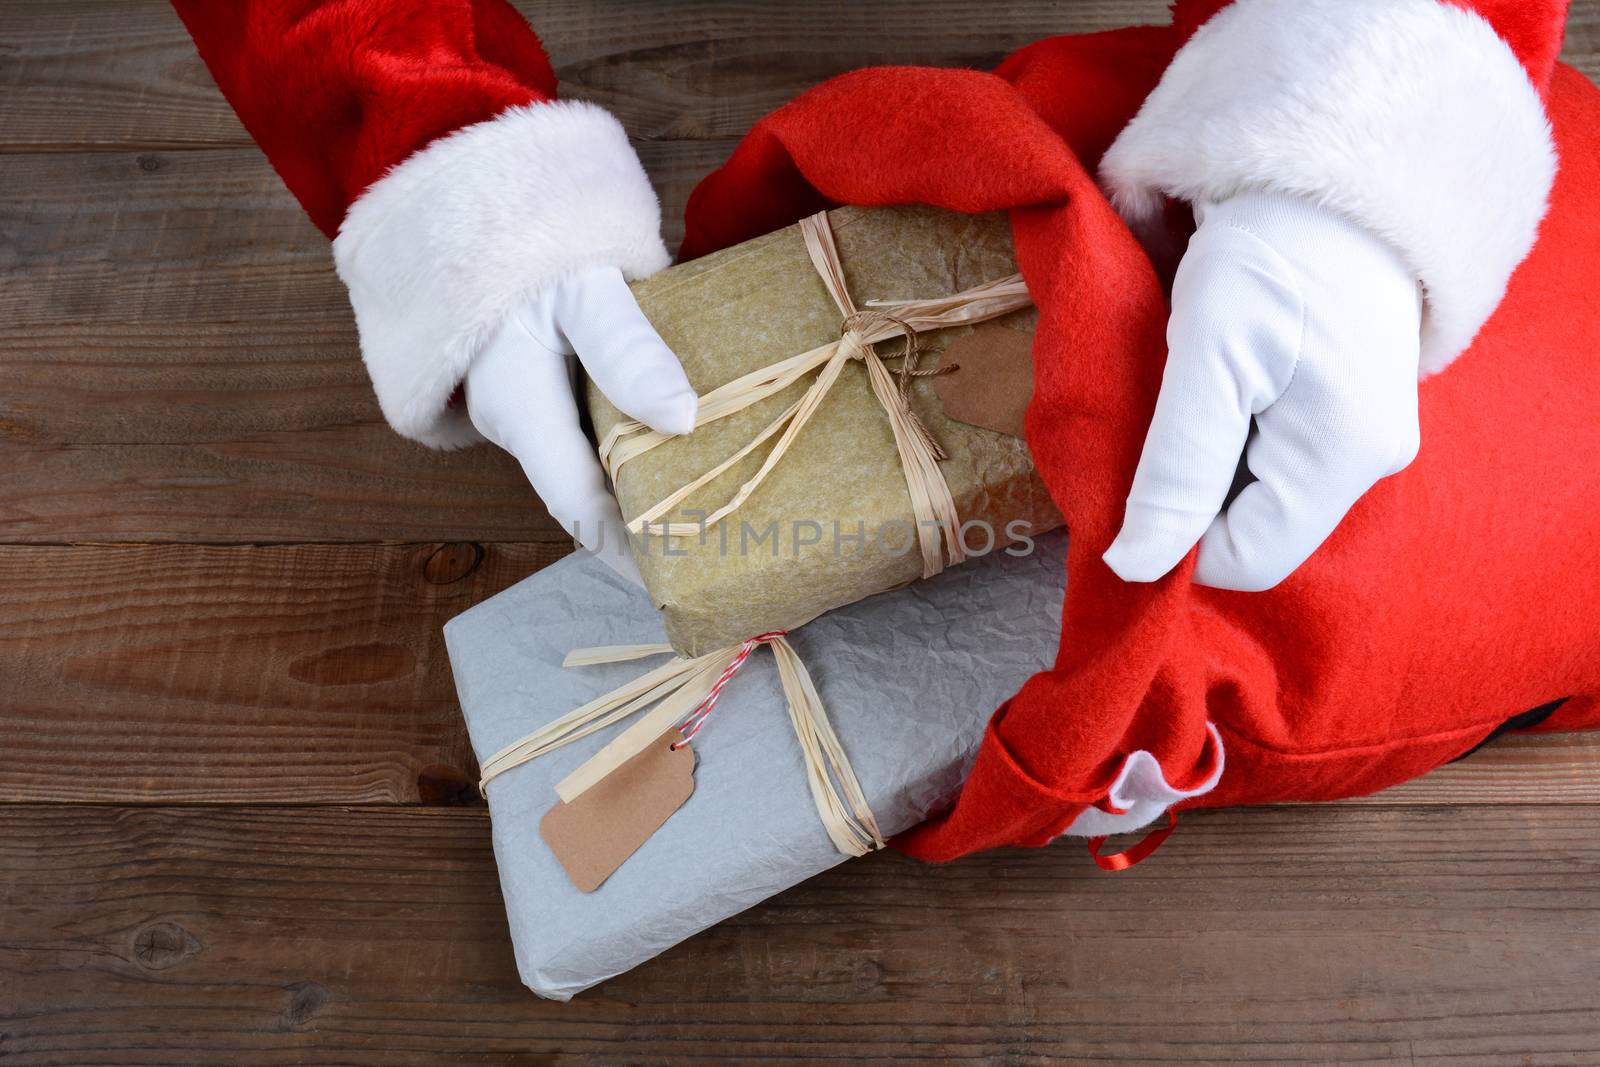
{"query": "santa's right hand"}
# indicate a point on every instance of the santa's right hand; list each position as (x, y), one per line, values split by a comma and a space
(1288, 315)
(520, 395)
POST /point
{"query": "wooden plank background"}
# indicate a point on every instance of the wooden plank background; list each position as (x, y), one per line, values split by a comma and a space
(237, 824)
(374, 937)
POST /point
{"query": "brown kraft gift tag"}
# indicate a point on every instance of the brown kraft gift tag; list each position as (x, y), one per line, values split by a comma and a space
(993, 380)
(601, 827)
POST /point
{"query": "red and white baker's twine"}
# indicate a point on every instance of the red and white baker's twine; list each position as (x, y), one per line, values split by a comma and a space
(697, 717)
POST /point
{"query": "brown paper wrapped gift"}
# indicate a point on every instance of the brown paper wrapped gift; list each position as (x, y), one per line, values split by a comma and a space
(833, 521)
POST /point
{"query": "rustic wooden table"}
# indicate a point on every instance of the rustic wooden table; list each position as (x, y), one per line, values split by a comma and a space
(237, 824)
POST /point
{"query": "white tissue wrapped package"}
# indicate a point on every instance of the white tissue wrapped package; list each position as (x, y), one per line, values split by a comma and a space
(909, 679)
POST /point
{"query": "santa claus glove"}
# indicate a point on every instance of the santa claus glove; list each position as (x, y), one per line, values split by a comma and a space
(521, 395)
(1288, 313)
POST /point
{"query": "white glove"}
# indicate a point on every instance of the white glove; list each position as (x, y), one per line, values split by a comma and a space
(1283, 311)
(520, 395)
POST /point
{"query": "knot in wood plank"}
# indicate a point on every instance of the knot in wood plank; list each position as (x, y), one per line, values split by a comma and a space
(452, 562)
(160, 945)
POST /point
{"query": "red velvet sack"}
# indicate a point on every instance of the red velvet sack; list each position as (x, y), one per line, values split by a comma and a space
(1456, 595)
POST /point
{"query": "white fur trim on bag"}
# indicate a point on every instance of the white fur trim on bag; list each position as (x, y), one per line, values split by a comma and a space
(1411, 117)
(1142, 792)
(439, 250)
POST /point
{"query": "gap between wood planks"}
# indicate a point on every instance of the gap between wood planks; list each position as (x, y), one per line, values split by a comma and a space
(377, 936)
(316, 674)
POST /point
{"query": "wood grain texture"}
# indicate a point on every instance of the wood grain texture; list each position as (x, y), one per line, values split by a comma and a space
(1314, 936)
(181, 365)
(1513, 769)
(216, 432)
(287, 674)
(85, 72)
(195, 236)
(316, 674)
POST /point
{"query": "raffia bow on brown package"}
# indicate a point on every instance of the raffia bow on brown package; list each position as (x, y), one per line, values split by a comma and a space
(682, 690)
(937, 523)
(810, 481)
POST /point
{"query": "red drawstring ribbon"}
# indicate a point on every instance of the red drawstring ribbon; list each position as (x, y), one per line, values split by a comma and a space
(697, 717)
(1134, 854)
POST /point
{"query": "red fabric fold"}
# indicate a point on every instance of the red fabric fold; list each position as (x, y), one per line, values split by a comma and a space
(1455, 595)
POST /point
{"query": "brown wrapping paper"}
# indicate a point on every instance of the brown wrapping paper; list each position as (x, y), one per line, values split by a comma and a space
(832, 523)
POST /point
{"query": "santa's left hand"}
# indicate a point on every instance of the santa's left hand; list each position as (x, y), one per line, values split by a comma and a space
(1293, 315)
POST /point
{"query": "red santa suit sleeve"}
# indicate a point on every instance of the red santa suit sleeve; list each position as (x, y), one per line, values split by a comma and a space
(425, 138)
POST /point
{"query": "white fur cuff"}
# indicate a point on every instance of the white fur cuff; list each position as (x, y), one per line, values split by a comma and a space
(1410, 117)
(440, 249)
